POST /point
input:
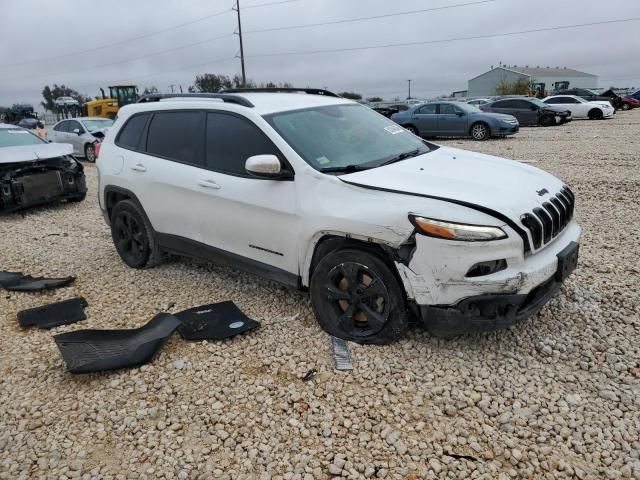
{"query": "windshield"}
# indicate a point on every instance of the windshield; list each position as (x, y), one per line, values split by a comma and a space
(17, 137)
(347, 135)
(538, 102)
(93, 125)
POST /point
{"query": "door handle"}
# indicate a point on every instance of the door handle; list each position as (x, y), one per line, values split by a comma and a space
(138, 167)
(209, 184)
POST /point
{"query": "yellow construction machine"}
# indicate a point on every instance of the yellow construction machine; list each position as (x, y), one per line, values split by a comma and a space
(107, 107)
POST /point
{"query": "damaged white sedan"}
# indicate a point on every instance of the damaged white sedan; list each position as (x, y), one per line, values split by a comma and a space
(34, 172)
(324, 194)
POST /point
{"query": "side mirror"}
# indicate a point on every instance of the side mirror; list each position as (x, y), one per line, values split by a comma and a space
(76, 131)
(264, 166)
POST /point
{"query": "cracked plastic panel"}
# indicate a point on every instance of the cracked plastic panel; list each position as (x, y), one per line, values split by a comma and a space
(65, 312)
(18, 282)
(214, 322)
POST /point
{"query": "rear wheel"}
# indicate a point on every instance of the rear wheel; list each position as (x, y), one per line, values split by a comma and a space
(595, 114)
(357, 297)
(90, 153)
(133, 237)
(625, 106)
(412, 129)
(480, 131)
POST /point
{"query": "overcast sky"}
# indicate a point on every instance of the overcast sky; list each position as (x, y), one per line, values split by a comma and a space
(34, 32)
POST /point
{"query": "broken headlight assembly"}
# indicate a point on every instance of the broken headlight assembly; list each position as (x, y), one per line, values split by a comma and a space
(456, 231)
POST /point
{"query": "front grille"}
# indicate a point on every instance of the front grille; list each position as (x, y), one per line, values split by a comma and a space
(546, 222)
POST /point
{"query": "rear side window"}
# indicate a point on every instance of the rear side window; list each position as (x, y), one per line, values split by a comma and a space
(230, 140)
(427, 109)
(177, 136)
(131, 133)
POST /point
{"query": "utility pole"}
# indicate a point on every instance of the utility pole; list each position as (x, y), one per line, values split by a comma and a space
(409, 96)
(171, 87)
(244, 77)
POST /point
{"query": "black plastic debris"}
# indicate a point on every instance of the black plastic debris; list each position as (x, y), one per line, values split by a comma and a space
(96, 350)
(309, 375)
(214, 322)
(65, 312)
(18, 282)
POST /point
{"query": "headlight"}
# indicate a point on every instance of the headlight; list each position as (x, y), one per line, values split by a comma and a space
(456, 231)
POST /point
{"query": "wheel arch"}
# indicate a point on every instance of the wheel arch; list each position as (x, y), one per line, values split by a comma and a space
(114, 194)
(483, 122)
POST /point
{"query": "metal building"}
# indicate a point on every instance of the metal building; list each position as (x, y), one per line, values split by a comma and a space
(485, 84)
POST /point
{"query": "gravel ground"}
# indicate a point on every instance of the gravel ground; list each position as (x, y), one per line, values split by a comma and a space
(555, 397)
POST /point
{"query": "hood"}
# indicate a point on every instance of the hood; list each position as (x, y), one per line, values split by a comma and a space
(30, 153)
(505, 186)
(601, 102)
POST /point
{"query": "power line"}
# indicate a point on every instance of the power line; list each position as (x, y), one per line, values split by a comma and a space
(362, 19)
(446, 40)
(259, 5)
(121, 42)
(104, 65)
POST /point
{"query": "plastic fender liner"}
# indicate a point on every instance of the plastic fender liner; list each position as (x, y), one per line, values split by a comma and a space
(214, 322)
(87, 351)
(18, 282)
(65, 312)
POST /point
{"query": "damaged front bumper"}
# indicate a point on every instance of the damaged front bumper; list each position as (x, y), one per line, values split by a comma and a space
(449, 302)
(28, 184)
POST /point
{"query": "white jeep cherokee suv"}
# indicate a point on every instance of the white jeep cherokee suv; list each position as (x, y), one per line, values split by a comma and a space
(324, 194)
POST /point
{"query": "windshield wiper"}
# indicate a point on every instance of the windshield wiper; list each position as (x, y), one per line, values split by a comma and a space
(403, 156)
(345, 169)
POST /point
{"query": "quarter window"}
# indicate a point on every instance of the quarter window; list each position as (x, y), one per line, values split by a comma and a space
(130, 134)
(230, 140)
(177, 136)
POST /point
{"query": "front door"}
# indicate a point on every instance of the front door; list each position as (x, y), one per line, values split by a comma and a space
(247, 216)
(451, 121)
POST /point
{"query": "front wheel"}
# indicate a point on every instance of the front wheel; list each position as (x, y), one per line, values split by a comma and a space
(595, 114)
(480, 131)
(356, 297)
(625, 106)
(547, 121)
(90, 153)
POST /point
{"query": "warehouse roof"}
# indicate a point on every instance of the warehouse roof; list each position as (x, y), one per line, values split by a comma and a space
(549, 71)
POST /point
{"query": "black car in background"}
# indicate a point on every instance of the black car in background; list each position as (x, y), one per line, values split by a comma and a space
(529, 111)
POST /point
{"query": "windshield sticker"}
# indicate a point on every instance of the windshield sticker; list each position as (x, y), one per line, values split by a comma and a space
(323, 160)
(393, 129)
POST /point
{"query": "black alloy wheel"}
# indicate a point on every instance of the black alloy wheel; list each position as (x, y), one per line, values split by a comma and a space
(356, 297)
(133, 237)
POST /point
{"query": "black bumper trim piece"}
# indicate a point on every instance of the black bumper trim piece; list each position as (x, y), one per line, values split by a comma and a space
(65, 312)
(18, 282)
(214, 322)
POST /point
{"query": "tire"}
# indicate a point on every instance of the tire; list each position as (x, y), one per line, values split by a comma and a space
(90, 153)
(133, 237)
(595, 114)
(480, 131)
(625, 106)
(547, 121)
(412, 129)
(365, 314)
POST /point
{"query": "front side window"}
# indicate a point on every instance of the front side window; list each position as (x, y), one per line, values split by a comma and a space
(131, 133)
(345, 136)
(447, 109)
(230, 140)
(176, 136)
(73, 125)
(62, 127)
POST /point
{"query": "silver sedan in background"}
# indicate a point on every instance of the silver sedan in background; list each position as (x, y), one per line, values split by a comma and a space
(81, 132)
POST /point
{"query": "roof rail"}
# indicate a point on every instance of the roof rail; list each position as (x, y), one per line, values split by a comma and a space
(310, 91)
(156, 97)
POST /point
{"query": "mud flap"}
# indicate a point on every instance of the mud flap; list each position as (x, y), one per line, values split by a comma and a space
(55, 314)
(214, 322)
(96, 350)
(17, 282)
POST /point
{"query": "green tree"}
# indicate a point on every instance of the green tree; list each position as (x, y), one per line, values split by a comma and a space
(521, 87)
(375, 99)
(50, 94)
(351, 95)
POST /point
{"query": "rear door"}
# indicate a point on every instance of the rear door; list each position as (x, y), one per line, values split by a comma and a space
(75, 130)
(247, 216)
(451, 120)
(59, 132)
(165, 169)
(425, 119)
